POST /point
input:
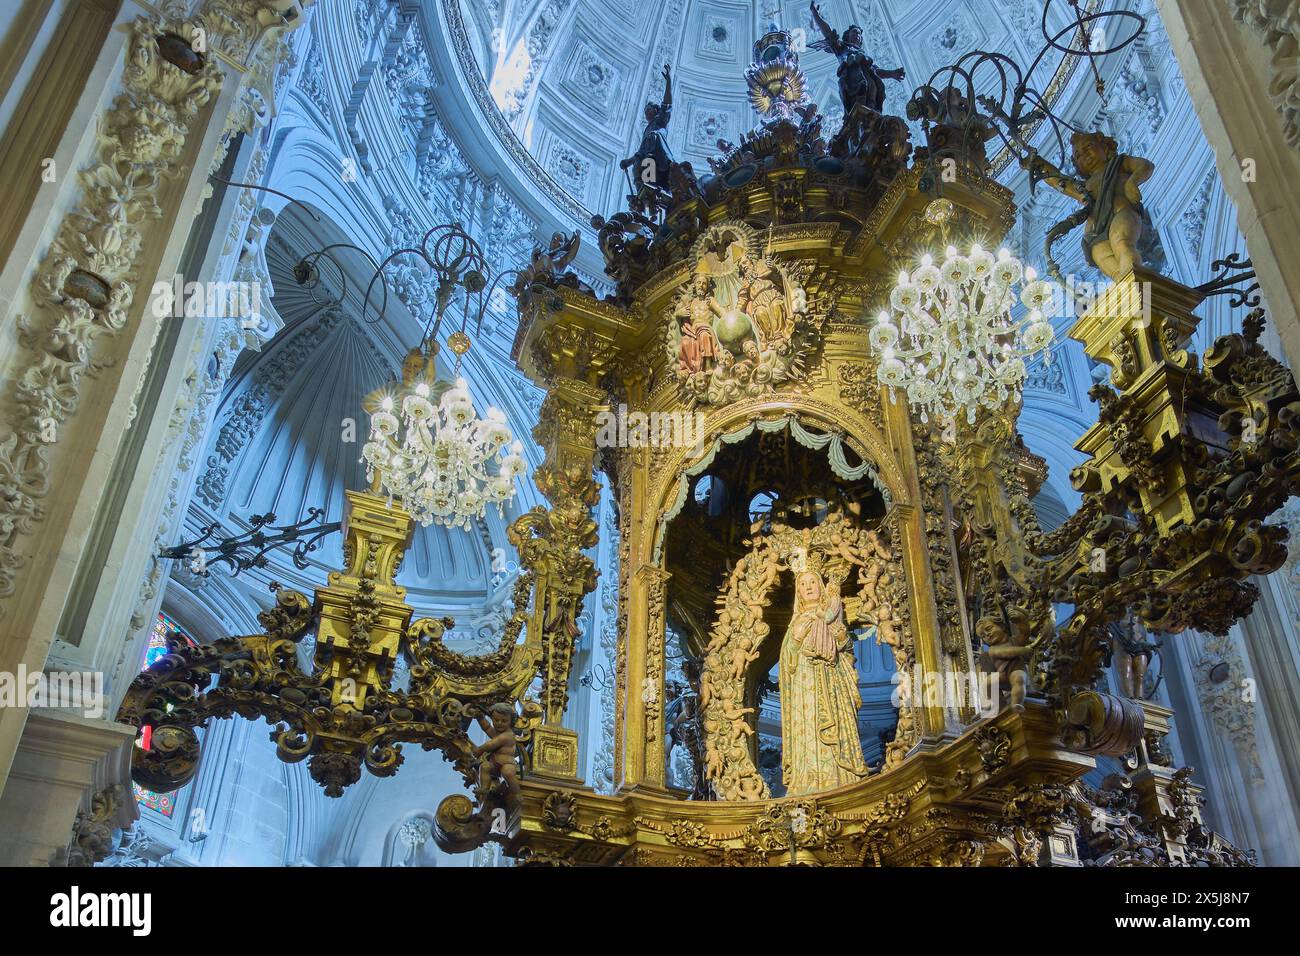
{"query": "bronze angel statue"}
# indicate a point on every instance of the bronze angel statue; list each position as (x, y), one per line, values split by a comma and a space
(652, 162)
(861, 82)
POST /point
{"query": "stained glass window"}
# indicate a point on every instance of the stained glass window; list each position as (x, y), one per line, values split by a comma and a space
(164, 803)
(162, 626)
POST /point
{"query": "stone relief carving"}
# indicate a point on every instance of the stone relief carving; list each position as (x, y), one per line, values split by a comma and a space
(1277, 24)
(1193, 219)
(82, 289)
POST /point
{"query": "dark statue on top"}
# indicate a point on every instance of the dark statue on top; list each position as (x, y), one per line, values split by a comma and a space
(866, 132)
(652, 164)
(861, 82)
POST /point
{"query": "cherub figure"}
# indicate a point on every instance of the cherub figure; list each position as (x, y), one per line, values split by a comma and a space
(860, 81)
(497, 763)
(544, 268)
(1118, 234)
(737, 714)
(1005, 655)
(742, 656)
(712, 763)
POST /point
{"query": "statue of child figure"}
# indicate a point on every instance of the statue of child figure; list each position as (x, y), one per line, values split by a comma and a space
(497, 763)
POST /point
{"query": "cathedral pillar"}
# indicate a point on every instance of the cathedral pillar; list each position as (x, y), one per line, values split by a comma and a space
(1241, 80)
(154, 113)
(61, 761)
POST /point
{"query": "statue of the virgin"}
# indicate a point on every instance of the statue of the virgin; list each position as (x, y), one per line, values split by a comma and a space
(819, 693)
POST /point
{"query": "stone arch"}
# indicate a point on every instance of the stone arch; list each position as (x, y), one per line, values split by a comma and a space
(409, 841)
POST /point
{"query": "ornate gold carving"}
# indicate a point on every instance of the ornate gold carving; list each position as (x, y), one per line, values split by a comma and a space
(959, 560)
(742, 326)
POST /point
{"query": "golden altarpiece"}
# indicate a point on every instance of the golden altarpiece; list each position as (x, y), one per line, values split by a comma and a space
(736, 352)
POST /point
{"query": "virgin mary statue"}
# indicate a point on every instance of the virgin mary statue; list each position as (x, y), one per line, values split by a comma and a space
(819, 693)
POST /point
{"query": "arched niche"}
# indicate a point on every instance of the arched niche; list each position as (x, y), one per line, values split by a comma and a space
(706, 556)
(409, 841)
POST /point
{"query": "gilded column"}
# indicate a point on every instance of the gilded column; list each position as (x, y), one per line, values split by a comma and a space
(924, 611)
(552, 541)
(644, 727)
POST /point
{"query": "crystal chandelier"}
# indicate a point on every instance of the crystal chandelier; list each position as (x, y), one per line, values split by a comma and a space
(952, 343)
(428, 449)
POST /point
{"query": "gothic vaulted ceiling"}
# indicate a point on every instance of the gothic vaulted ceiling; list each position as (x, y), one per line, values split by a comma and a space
(571, 76)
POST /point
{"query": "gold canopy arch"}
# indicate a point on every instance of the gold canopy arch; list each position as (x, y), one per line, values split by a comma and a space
(739, 630)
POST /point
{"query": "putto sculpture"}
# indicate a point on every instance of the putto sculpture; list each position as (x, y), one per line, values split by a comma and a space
(1118, 234)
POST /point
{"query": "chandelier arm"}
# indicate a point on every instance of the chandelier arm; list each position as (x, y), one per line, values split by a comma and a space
(267, 189)
(485, 296)
(308, 276)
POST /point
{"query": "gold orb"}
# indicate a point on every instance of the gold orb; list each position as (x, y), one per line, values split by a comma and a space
(939, 211)
(458, 342)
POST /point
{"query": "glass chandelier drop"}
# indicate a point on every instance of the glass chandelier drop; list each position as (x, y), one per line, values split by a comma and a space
(428, 449)
(951, 342)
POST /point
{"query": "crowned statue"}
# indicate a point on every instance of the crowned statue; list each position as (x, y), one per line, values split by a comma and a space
(819, 693)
